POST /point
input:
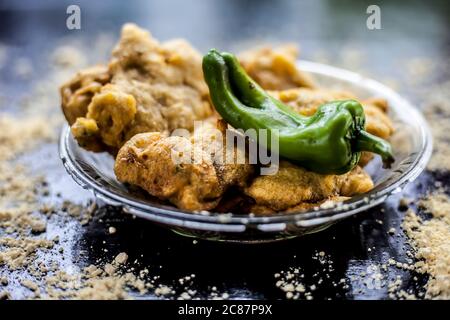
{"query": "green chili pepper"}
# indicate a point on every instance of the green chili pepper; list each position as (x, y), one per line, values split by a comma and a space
(328, 142)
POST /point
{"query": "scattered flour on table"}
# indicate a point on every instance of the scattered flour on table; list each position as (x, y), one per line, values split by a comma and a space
(430, 236)
(431, 240)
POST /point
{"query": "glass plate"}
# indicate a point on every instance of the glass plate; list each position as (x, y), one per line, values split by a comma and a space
(412, 144)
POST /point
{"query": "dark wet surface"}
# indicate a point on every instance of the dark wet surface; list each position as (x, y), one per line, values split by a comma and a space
(243, 271)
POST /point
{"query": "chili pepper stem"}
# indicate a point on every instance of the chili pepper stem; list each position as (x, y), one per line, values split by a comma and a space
(368, 142)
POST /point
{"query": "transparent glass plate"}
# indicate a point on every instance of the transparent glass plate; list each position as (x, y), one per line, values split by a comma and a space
(412, 144)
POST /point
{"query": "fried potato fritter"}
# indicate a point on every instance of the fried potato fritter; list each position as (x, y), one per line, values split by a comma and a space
(152, 87)
(262, 210)
(185, 171)
(146, 161)
(231, 163)
(292, 185)
(78, 92)
(275, 68)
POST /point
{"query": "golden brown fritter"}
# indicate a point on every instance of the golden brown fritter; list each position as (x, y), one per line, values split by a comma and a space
(377, 121)
(275, 68)
(147, 160)
(306, 101)
(292, 185)
(152, 87)
(232, 165)
(261, 210)
(78, 92)
(113, 111)
(85, 131)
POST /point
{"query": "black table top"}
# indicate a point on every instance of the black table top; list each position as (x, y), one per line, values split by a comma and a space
(333, 31)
